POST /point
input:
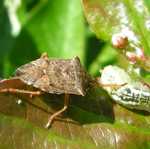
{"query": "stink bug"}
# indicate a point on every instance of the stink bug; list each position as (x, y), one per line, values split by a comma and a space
(57, 76)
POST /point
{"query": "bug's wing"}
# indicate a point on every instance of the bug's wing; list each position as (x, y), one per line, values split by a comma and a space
(55, 75)
(39, 74)
(28, 73)
(61, 75)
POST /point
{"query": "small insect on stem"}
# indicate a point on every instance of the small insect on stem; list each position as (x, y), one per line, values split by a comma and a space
(54, 75)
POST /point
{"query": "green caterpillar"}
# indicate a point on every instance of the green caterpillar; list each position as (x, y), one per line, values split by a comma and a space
(132, 95)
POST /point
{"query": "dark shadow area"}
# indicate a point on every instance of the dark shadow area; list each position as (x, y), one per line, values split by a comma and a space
(31, 4)
(140, 112)
(82, 110)
(23, 51)
(6, 39)
(94, 46)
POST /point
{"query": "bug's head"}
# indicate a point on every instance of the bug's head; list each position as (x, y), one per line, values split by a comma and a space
(90, 81)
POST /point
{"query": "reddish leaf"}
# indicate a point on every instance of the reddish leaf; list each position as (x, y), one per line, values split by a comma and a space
(92, 121)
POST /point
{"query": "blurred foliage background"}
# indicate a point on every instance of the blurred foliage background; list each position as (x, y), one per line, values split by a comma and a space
(30, 28)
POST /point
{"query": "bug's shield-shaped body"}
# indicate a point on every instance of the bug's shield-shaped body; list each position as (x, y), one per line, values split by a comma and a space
(55, 75)
(132, 95)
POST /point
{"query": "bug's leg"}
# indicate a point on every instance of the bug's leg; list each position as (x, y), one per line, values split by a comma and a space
(44, 55)
(146, 84)
(110, 85)
(116, 86)
(22, 91)
(57, 113)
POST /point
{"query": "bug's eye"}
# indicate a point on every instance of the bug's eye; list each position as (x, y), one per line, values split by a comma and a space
(90, 85)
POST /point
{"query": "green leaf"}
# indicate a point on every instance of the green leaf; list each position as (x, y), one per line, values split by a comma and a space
(55, 27)
(130, 17)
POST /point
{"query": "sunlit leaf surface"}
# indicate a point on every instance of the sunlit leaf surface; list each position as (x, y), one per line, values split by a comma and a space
(129, 17)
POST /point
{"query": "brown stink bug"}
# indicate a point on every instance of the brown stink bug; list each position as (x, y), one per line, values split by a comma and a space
(54, 75)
